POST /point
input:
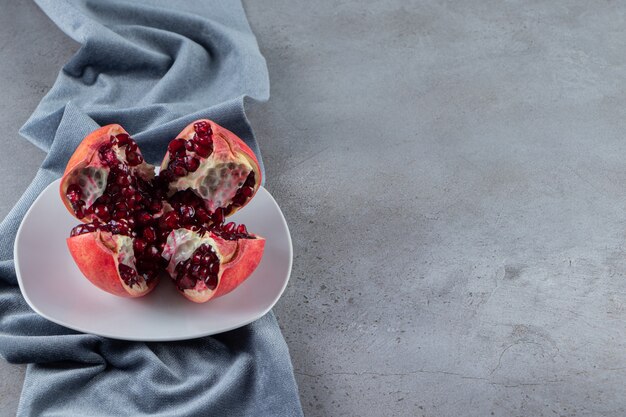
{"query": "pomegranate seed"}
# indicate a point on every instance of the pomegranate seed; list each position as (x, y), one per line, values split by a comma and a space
(110, 158)
(201, 127)
(155, 206)
(250, 180)
(214, 267)
(130, 221)
(74, 193)
(176, 146)
(203, 140)
(107, 156)
(246, 191)
(211, 282)
(203, 151)
(187, 212)
(122, 139)
(204, 271)
(197, 257)
(144, 218)
(132, 146)
(124, 180)
(128, 192)
(195, 270)
(206, 259)
(73, 197)
(167, 175)
(113, 189)
(79, 208)
(190, 145)
(180, 171)
(119, 215)
(133, 158)
(192, 163)
(132, 204)
(242, 229)
(229, 227)
(122, 167)
(171, 219)
(139, 245)
(101, 211)
(202, 215)
(123, 229)
(134, 201)
(128, 274)
(121, 206)
(149, 233)
(218, 216)
(78, 230)
(239, 200)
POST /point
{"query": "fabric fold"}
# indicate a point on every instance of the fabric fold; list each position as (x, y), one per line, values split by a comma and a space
(153, 67)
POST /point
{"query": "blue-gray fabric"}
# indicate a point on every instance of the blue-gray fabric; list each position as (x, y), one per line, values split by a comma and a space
(152, 66)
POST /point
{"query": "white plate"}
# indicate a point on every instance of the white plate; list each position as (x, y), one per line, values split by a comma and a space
(55, 288)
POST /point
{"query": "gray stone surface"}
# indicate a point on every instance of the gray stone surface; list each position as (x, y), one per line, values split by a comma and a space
(453, 176)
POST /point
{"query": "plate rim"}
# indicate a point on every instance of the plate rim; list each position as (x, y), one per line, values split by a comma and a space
(255, 317)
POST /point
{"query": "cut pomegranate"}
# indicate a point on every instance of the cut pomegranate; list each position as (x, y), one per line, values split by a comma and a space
(214, 164)
(130, 214)
(99, 176)
(205, 265)
(107, 259)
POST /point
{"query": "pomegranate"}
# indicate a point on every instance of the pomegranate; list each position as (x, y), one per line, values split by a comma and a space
(208, 264)
(107, 168)
(217, 166)
(130, 215)
(104, 254)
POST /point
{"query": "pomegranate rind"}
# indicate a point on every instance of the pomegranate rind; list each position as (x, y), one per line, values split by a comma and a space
(83, 156)
(241, 265)
(227, 147)
(98, 263)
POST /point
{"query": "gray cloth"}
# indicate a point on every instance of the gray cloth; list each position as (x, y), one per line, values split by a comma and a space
(152, 66)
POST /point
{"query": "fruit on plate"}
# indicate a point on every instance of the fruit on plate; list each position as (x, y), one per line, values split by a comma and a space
(132, 217)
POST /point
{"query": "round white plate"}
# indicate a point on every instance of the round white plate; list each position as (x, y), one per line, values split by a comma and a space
(55, 288)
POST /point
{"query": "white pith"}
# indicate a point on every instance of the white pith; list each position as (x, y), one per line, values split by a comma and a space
(92, 181)
(126, 256)
(208, 176)
(181, 244)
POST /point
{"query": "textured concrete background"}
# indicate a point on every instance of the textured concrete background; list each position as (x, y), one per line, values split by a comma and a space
(453, 175)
